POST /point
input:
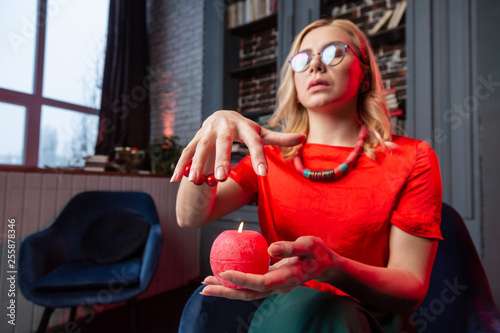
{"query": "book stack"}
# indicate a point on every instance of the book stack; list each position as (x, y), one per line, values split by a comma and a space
(96, 163)
(391, 18)
(394, 110)
(246, 11)
(397, 15)
(392, 102)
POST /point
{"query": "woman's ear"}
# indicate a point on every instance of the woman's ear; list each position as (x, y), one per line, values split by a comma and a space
(366, 80)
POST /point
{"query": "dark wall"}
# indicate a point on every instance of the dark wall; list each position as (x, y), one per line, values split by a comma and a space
(486, 68)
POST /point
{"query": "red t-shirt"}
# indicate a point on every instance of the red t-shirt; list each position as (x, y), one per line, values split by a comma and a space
(402, 186)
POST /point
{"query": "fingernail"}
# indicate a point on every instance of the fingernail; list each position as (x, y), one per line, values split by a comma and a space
(220, 174)
(174, 176)
(275, 250)
(193, 175)
(227, 276)
(262, 170)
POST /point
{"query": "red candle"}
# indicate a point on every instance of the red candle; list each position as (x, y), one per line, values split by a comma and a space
(243, 251)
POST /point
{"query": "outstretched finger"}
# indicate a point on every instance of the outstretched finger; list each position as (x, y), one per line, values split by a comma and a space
(236, 294)
(273, 281)
(183, 162)
(211, 280)
(223, 147)
(187, 156)
(203, 149)
(281, 139)
(255, 146)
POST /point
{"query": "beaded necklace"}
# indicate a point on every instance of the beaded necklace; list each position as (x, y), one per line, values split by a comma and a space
(342, 169)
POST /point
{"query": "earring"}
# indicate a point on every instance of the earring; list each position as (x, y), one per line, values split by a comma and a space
(365, 86)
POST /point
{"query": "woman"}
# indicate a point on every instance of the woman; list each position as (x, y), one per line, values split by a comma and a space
(352, 214)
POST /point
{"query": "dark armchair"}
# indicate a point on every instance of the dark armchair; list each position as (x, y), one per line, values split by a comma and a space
(459, 297)
(102, 248)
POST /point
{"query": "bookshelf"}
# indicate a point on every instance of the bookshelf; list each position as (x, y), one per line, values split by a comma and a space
(390, 27)
(384, 23)
(264, 23)
(244, 12)
(250, 61)
(256, 65)
(258, 69)
(392, 36)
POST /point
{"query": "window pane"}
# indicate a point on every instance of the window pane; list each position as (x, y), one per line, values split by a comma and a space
(74, 51)
(12, 133)
(17, 44)
(66, 137)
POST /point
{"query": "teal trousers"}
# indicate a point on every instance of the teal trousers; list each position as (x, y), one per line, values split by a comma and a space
(305, 310)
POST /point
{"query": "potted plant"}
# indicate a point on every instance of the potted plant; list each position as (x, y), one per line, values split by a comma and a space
(164, 155)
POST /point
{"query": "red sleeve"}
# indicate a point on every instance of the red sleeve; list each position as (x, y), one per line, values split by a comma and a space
(246, 177)
(418, 210)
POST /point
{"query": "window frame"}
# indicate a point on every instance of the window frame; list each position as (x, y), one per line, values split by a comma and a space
(34, 102)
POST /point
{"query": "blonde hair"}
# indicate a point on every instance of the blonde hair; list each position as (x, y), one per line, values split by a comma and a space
(372, 107)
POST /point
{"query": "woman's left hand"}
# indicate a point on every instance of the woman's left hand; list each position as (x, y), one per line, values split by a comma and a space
(305, 259)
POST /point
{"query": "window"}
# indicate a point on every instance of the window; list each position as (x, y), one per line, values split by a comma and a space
(51, 68)
(12, 133)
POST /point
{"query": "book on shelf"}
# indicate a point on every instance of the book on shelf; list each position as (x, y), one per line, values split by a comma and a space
(96, 163)
(398, 126)
(381, 22)
(395, 112)
(230, 16)
(262, 8)
(391, 99)
(246, 11)
(273, 6)
(94, 169)
(399, 11)
(97, 159)
(240, 13)
(249, 13)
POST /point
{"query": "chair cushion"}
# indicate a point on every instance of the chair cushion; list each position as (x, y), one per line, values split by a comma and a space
(85, 274)
(114, 236)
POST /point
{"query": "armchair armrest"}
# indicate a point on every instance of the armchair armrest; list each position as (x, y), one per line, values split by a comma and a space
(151, 255)
(39, 254)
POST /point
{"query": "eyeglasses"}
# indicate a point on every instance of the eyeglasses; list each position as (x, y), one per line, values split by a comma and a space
(332, 55)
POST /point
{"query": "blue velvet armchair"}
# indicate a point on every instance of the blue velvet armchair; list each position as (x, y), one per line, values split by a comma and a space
(61, 266)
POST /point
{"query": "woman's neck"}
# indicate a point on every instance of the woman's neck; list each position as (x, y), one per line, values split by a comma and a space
(339, 129)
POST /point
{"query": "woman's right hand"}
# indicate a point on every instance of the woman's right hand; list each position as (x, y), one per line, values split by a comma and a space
(211, 147)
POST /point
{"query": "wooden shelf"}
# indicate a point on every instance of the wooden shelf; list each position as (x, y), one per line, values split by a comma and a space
(73, 171)
(254, 70)
(254, 115)
(264, 23)
(392, 36)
